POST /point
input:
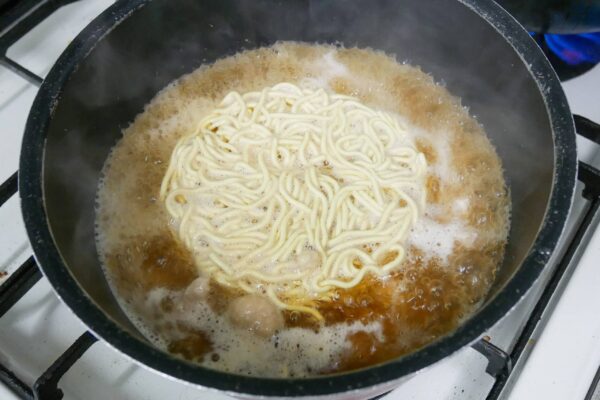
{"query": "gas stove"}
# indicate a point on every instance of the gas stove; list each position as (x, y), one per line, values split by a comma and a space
(547, 347)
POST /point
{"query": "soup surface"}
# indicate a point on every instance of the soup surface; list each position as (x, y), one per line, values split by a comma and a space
(182, 300)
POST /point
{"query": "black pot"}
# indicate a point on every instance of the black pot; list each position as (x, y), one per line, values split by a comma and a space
(124, 57)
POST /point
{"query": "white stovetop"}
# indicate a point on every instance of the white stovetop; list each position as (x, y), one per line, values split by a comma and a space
(39, 328)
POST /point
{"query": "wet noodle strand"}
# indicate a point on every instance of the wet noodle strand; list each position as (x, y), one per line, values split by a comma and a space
(294, 193)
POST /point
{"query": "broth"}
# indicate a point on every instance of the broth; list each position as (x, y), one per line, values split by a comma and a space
(452, 252)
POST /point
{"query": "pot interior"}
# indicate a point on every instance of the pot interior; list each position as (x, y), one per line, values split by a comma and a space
(165, 39)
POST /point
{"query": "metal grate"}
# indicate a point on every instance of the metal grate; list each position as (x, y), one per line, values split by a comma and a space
(17, 18)
(500, 362)
(590, 177)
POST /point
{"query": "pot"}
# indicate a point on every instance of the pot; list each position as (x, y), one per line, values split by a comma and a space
(135, 48)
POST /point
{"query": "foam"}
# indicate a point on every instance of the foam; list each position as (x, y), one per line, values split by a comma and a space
(460, 205)
(292, 352)
(438, 240)
(325, 68)
(443, 168)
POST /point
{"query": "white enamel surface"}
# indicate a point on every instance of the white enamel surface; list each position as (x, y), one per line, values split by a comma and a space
(39, 328)
(566, 355)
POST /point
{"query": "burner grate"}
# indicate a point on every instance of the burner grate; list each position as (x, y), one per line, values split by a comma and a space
(25, 16)
(18, 18)
(18, 284)
(14, 24)
(8, 188)
(590, 177)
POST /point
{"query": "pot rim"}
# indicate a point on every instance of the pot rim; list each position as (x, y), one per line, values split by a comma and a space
(66, 287)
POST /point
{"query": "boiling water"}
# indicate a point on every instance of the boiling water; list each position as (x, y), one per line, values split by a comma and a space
(452, 253)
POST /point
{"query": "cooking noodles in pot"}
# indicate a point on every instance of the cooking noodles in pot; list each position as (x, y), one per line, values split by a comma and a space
(300, 210)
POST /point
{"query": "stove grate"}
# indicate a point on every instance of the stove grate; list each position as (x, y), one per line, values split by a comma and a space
(590, 177)
(8, 188)
(17, 284)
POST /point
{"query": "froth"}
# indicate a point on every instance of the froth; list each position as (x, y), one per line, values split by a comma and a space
(292, 352)
(436, 239)
(326, 68)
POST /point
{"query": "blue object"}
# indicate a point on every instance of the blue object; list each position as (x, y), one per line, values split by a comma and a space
(575, 49)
